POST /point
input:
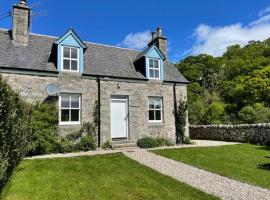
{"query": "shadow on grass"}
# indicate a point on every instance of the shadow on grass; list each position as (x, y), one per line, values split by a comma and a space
(265, 166)
(267, 148)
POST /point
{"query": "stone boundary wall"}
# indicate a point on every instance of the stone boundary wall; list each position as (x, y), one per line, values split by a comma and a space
(252, 133)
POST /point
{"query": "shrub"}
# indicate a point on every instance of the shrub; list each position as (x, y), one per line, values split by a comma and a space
(256, 113)
(163, 142)
(15, 130)
(181, 120)
(86, 143)
(107, 145)
(187, 141)
(148, 142)
(45, 138)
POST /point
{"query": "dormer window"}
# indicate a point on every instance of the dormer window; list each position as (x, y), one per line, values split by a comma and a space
(154, 68)
(70, 59)
(150, 63)
(70, 50)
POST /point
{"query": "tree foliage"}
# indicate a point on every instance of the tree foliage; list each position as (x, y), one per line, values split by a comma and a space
(181, 117)
(233, 88)
(15, 130)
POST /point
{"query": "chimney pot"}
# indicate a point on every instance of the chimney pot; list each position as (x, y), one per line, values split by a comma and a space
(159, 32)
(23, 2)
(159, 41)
(154, 35)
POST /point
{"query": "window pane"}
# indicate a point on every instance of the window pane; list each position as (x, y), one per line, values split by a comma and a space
(151, 63)
(64, 115)
(66, 52)
(158, 115)
(74, 53)
(65, 101)
(75, 102)
(156, 73)
(66, 64)
(74, 65)
(158, 103)
(151, 115)
(151, 103)
(156, 64)
(151, 75)
(75, 115)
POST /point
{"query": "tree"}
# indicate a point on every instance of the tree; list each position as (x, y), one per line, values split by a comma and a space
(221, 87)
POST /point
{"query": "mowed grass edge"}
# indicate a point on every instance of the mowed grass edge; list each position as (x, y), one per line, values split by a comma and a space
(111, 176)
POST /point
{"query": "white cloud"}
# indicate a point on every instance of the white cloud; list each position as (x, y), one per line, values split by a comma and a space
(137, 40)
(215, 40)
(264, 11)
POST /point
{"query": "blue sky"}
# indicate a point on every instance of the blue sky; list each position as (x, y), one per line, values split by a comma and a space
(192, 26)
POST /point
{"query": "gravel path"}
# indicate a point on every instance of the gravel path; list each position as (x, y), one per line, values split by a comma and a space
(208, 182)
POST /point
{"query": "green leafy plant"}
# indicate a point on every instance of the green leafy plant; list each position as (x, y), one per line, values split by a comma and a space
(86, 143)
(181, 120)
(106, 145)
(149, 142)
(45, 138)
(163, 142)
(15, 130)
(187, 141)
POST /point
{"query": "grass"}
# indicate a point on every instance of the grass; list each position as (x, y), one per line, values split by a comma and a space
(244, 162)
(113, 177)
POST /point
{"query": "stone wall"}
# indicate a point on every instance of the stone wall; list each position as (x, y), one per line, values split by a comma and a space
(252, 133)
(138, 94)
(33, 88)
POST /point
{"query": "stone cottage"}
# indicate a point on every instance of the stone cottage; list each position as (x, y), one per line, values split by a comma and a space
(136, 91)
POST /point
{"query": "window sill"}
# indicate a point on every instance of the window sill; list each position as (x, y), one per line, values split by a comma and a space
(69, 72)
(156, 123)
(69, 123)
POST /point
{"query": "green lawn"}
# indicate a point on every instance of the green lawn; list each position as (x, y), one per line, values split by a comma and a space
(103, 177)
(244, 162)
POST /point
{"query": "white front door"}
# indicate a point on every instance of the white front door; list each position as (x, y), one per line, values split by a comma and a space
(119, 118)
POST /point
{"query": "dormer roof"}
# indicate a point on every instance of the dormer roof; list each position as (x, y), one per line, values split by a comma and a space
(71, 32)
(99, 59)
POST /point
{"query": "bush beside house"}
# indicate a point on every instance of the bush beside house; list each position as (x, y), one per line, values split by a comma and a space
(27, 129)
(15, 130)
(149, 142)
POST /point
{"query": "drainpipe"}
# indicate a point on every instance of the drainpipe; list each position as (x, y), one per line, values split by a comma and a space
(175, 111)
(98, 82)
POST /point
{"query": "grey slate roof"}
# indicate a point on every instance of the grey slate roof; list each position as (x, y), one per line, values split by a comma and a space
(41, 54)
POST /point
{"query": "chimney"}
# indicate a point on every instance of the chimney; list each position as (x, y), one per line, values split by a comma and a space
(160, 41)
(154, 35)
(21, 23)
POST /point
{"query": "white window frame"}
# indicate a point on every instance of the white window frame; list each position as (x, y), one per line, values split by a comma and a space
(70, 59)
(154, 109)
(60, 109)
(152, 68)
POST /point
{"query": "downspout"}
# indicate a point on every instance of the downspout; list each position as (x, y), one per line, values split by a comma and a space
(175, 112)
(98, 82)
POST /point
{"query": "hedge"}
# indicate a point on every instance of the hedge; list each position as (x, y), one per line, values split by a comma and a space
(15, 130)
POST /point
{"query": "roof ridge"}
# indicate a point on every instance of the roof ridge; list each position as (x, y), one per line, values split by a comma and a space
(106, 45)
(94, 43)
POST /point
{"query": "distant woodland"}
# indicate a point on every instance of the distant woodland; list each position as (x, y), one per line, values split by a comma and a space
(231, 89)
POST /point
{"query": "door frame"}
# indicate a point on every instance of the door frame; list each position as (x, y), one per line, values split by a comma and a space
(121, 99)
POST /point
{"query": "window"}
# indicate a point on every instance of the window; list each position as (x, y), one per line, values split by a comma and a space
(155, 109)
(154, 68)
(69, 109)
(70, 59)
